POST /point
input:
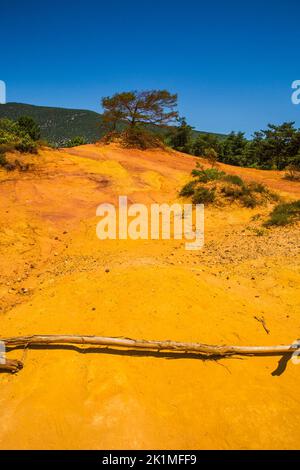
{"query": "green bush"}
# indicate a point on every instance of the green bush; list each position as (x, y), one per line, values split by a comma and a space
(203, 195)
(242, 193)
(76, 141)
(234, 179)
(30, 127)
(232, 192)
(249, 200)
(210, 174)
(258, 187)
(231, 187)
(14, 137)
(284, 214)
(188, 189)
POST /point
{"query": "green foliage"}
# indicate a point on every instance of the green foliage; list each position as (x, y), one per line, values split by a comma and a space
(221, 187)
(211, 155)
(210, 174)
(232, 149)
(76, 141)
(249, 200)
(59, 125)
(180, 137)
(14, 137)
(233, 179)
(30, 127)
(275, 147)
(203, 195)
(140, 107)
(204, 142)
(284, 214)
(293, 169)
(188, 189)
(232, 192)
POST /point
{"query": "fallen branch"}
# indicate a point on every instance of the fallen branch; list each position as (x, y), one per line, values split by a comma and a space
(174, 346)
(263, 322)
(11, 365)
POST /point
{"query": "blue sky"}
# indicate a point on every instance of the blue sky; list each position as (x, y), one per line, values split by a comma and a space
(231, 62)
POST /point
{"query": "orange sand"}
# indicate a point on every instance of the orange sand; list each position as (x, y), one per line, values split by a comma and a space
(53, 280)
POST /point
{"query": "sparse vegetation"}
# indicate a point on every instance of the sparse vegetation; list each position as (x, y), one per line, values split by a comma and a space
(284, 214)
(233, 179)
(18, 135)
(211, 156)
(76, 141)
(205, 175)
(293, 169)
(221, 187)
(14, 137)
(188, 189)
(135, 137)
(204, 195)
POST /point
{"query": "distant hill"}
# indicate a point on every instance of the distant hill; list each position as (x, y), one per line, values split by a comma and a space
(58, 125)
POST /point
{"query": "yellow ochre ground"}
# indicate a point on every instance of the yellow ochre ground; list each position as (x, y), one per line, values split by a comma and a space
(54, 280)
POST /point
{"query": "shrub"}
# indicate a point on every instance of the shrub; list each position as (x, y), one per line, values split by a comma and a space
(249, 200)
(204, 176)
(284, 214)
(188, 189)
(203, 195)
(14, 137)
(243, 193)
(233, 179)
(76, 141)
(231, 187)
(30, 127)
(26, 145)
(232, 192)
(293, 172)
(258, 187)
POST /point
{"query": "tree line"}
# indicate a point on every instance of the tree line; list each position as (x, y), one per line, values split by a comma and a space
(276, 147)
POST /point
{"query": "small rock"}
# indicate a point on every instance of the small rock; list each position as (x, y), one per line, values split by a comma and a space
(23, 290)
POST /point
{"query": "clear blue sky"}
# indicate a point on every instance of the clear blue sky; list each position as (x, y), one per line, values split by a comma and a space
(231, 62)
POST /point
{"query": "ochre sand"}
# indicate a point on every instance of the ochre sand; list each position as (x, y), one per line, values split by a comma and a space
(54, 280)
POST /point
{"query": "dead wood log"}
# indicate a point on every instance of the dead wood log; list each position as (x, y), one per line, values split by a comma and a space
(11, 365)
(123, 342)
